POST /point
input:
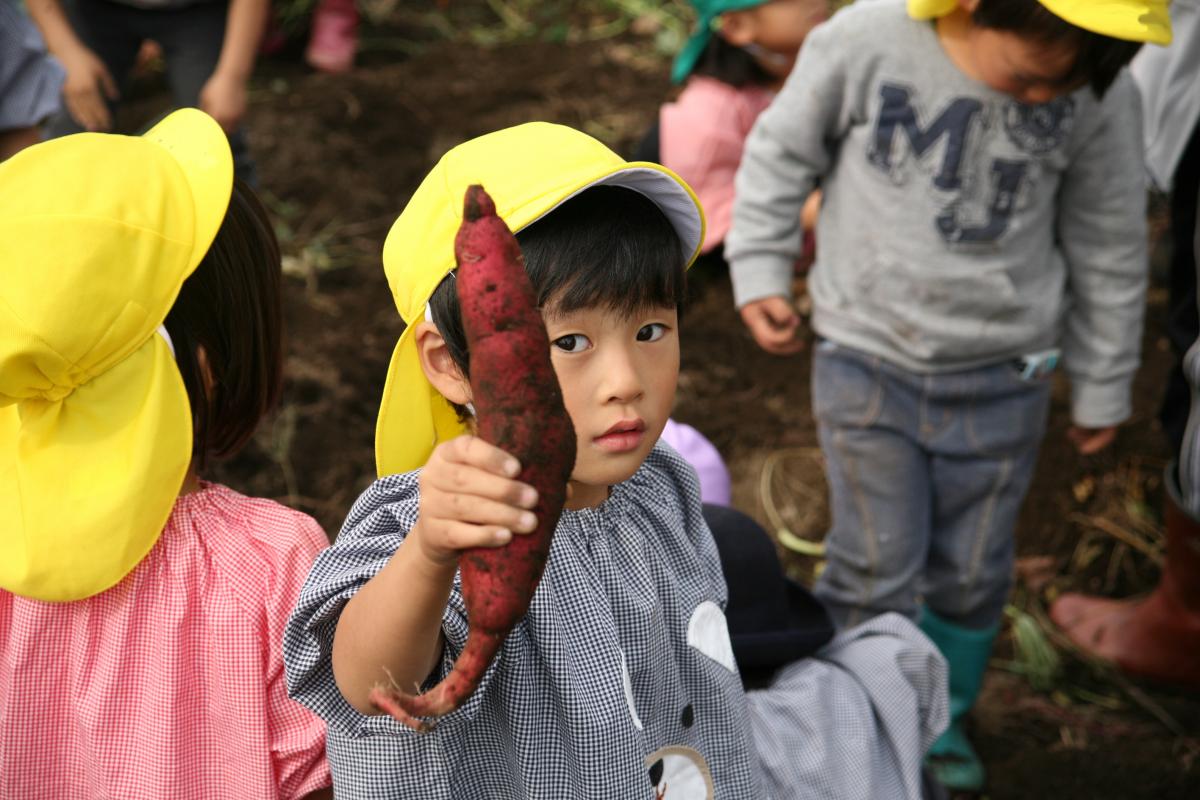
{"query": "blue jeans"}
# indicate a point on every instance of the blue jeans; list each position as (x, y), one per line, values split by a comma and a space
(927, 473)
(191, 39)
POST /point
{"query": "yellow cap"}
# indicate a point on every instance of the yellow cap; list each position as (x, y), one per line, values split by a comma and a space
(1132, 20)
(97, 234)
(528, 170)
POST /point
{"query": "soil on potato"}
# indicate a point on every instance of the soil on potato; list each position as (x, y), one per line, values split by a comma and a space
(338, 157)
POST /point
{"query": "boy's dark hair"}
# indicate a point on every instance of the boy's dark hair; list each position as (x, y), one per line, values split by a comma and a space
(1098, 58)
(730, 64)
(620, 253)
(230, 307)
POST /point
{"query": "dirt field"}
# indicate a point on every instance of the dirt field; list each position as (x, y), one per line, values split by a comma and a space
(339, 157)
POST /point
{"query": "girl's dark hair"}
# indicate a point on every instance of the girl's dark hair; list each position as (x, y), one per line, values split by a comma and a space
(230, 308)
(730, 64)
(1098, 58)
(608, 247)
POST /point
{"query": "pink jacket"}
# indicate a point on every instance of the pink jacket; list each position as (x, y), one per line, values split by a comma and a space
(701, 137)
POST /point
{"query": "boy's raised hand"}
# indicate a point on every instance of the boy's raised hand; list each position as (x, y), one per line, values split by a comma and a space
(470, 498)
(774, 323)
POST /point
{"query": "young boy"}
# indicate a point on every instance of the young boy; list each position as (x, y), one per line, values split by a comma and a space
(209, 47)
(621, 680)
(984, 205)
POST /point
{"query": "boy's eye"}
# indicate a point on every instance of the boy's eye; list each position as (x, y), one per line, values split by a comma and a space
(572, 343)
(652, 332)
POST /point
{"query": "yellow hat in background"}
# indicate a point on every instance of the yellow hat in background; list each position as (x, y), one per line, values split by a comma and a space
(528, 170)
(97, 234)
(1132, 20)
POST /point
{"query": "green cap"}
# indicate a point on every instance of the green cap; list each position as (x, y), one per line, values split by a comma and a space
(707, 11)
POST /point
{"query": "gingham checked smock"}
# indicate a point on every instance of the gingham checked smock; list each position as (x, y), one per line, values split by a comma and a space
(169, 685)
(619, 682)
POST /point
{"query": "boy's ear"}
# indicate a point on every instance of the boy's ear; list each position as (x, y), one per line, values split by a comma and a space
(438, 366)
(968, 6)
(737, 28)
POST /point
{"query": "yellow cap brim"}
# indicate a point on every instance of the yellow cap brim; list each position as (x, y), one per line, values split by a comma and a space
(198, 145)
(418, 417)
(1130, 20)
(90, 480)
(930, 9)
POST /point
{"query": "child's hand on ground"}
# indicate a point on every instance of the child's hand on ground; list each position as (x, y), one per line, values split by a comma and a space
(86, 88)
(224, 99)
(774, 323)
(469, 498)
(1091, 440)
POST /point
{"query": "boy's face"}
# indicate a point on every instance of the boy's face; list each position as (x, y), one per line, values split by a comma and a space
(618, 376)
(1030, 71)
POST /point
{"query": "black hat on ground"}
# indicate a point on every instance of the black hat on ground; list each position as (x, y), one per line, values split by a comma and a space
(773, 620)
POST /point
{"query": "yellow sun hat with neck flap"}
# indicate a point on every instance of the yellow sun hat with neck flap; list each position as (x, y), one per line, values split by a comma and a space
(529, 170)
(97, 234)
(1131, 20)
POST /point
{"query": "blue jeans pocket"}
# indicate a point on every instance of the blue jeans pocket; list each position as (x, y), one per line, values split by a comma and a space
(847, 387)
(1007, 415)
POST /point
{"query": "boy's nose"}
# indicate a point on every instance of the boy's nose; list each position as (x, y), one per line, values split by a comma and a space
(621, 381)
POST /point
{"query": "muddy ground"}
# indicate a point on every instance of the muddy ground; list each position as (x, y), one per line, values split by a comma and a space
(340, 155)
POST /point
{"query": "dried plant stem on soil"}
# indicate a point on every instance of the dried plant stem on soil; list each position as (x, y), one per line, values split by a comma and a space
(1136, 541)
(803, 497)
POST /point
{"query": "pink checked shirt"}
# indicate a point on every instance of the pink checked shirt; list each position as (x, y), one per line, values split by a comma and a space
(169, 685)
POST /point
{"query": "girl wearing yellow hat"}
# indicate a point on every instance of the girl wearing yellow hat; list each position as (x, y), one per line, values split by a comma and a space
(141, 607)
(622, 679)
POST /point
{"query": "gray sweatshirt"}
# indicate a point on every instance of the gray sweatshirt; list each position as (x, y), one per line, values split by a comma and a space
(959, 227)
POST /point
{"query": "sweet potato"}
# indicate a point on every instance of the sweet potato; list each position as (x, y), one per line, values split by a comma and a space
(519, 408)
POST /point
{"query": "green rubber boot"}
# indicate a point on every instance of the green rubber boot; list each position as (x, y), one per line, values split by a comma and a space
(952, 759)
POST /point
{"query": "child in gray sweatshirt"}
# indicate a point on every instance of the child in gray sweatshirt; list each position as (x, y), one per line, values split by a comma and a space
(984, 206)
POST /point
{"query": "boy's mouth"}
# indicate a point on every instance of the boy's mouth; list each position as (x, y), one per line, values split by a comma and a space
(622, 437)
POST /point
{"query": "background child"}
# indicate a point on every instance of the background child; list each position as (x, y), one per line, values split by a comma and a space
(29, 81)
(208, 46)
(620, 681)
(983, 202)
(733, 65)
(142, 608)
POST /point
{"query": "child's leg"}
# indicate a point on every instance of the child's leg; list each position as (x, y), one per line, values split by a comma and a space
(191, 38)
(107, 30)
(981, 471)
(880, 495)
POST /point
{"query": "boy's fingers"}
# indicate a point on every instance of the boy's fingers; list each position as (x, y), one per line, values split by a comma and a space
(458, 478)
(463, 535)
(481, 511)
(475, 451)
(772, 338)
